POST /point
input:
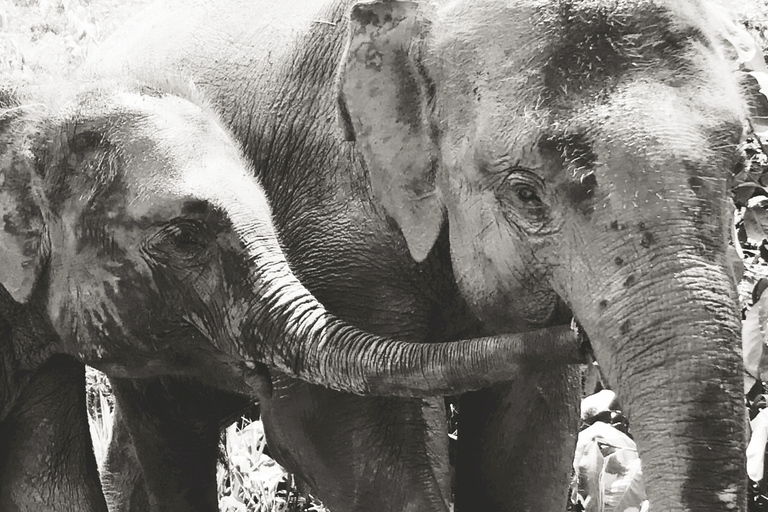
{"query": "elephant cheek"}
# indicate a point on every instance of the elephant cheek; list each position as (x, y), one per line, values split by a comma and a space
(504, 284)
(100, 313)
(18, 264)
(84, 317)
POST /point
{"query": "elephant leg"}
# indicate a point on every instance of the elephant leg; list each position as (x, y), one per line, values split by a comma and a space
(516, 443)
(122, 477)
(175, 425)
(360, 453)
(46, 456)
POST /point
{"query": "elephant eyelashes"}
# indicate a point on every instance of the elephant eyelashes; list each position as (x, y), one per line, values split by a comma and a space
(188, 235)
(521, 193)
(524, 186)
(180, 240)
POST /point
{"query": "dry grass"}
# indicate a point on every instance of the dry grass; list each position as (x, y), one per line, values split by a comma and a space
(54, 36)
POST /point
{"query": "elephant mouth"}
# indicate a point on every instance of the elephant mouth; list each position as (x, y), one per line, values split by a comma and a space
(585, 345)
(550, 312)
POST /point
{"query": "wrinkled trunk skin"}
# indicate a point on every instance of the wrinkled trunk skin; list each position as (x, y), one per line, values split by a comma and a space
(674, 363)
(661, 312)
(49, 423)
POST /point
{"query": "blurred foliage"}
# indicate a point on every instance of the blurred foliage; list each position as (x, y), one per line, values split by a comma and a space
(249, 480)
(101, 405)
(607, 472)
(55, 36)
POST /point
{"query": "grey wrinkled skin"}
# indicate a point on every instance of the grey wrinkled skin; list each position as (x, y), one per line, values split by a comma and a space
(135, 225)
(505, 163)
(137, 231)
(46, 458)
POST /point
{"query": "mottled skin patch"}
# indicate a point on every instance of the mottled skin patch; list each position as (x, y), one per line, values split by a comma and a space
(574, 152)
(409, 106)
(625, 328)
(701, 426)
(647, 240)
(580, 193)
(595, 42)
(21, 221)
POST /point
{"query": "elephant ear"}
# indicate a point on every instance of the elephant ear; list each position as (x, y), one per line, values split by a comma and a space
(383, 101)
(21, 229)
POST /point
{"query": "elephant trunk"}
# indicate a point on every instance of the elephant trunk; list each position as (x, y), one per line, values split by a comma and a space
(290, 330)
(302, 339)
(668, 345)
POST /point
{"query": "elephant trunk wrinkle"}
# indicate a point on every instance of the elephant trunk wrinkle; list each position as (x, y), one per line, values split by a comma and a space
(290, 329)
(668, 346)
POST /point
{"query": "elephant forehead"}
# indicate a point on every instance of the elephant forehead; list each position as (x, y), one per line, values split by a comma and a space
(116, 196)
(646, 144)
(152, 209)
(594, 41)
(545, 53)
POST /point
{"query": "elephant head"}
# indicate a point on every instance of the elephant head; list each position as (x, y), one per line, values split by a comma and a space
(579, 152)
(135, 222)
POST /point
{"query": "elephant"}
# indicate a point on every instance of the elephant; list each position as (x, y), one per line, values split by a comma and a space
(43, 418)
(180, 452)
(47, 460)
(136, 230)
(499, 167)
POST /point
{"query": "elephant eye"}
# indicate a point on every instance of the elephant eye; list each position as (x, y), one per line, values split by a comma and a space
(180, 240)
(521, 195)
(526, 193)
(186, 235)
(524, 187)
